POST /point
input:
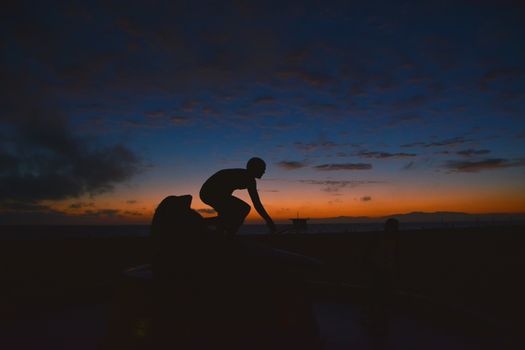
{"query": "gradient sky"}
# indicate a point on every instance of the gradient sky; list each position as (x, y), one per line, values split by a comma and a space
(358, 107)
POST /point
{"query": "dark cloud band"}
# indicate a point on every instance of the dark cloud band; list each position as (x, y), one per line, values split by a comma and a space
(343, 166)
(477, 166)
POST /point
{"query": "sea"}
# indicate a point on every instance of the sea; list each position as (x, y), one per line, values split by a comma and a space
(17, 232)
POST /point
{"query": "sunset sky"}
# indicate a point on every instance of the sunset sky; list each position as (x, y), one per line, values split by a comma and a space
(359, 108)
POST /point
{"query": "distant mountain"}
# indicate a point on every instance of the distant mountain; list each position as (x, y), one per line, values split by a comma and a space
(439, 216)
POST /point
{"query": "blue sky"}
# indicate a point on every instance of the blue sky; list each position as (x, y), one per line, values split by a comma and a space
(359, 108)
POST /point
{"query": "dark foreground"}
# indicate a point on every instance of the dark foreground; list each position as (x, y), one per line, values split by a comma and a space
(459, 289)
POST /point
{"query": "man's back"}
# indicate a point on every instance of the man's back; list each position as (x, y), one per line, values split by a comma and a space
(224, 182)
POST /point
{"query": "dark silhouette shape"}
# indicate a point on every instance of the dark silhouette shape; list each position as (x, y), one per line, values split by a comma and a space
(382, 268)
(217, 193)
(209, 291)
(176, 232)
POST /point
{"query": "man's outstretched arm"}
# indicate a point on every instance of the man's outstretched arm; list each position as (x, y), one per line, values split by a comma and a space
(254, 195)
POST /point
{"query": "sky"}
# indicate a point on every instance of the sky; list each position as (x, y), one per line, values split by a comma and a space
(359, 108)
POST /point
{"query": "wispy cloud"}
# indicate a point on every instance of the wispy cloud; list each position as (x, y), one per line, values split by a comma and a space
(155, 120)
(144, 123)
(337, 185)
(291, 165)
(366, 199)
(403, 119)
(155, 115)
(324, 144)
(413, 145)
(409, 166)
(133, 213)
(385, 155)
(409, 103)
(505, 74)
(80, 205)
(264, 100)
(473, 152)
(321, 108)
(179, 120)
(477, 166)
(8, 206)
(206, 211)
(316, 79)
(450, 142)
(343, 166)
(314, 146)
(103, 213)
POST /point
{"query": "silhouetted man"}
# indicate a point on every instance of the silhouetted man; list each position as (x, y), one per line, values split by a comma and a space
(217, 193)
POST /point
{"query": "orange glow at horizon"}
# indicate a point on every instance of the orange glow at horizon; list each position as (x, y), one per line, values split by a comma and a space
(282, 205)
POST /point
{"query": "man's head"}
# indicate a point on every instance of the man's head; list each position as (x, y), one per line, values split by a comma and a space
(256, 167)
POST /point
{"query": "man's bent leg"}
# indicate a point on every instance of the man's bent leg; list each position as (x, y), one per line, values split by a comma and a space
(216, 205)
(233, 213)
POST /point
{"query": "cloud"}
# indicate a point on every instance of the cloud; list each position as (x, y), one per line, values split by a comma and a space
(450, 142)
(156, 119)
(322, 145)
(413, 145)
(141, 124)
(53, 174)
(316, 79)
(79, 205)
(206, 211)
(385, 155)
(133, 213)
(335, 201)
(314, 146)
(419, 79)
(106, 213)
(179, 120)
(291, 165)
(190, 105)
(336, 185)
(477, 166)
(44, 159)
(409, 166)
(473, 152)
(366, 199)
(358, 90)
(402, 119)
(321, 108)
(442, 153)
(500, 74)
(8, 206)
(264, 100)
(343, 166)
(155, 115)
(410, 102)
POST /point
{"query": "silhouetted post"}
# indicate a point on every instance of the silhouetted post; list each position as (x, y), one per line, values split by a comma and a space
(300, 224)
(382, 264)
